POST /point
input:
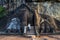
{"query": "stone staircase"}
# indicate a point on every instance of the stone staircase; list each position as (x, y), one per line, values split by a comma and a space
(32, 31)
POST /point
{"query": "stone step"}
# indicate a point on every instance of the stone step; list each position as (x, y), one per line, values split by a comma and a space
(31, 32)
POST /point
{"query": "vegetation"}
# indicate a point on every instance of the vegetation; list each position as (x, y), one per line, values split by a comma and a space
(2, 11)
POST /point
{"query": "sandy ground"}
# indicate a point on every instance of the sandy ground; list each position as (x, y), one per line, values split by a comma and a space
(49, 37)
(11, 37)
(4, 37)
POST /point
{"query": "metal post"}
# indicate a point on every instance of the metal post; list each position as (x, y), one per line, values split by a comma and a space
(13, 5)
(2, 2)
(16, 3)
(8, 5)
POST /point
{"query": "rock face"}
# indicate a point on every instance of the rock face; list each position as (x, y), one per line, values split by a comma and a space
(49, 8)
(52, 8)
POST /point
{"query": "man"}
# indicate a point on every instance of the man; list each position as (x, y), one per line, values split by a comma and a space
(14, 25)
(29, 27)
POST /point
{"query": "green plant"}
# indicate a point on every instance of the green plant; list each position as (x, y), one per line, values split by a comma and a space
(2, 11)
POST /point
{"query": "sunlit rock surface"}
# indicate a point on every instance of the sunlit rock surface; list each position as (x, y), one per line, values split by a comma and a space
(52, 9)
(49, 8)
